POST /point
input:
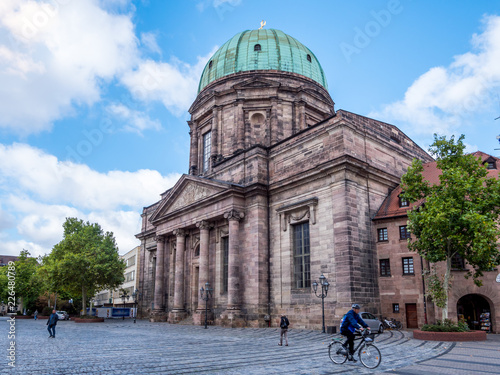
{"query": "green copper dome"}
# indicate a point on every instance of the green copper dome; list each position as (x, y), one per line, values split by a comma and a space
(264, 49)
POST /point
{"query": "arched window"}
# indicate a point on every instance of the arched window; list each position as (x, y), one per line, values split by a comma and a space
(210, 64)
(309, 58)
(257, 47)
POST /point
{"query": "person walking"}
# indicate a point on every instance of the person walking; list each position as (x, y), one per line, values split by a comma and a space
(350, 323)
(284, 323)
(52, 322)
(35, 314)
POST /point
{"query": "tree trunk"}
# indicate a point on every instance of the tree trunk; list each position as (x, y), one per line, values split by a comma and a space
(84, 302)
(446, 287)
(55, 301)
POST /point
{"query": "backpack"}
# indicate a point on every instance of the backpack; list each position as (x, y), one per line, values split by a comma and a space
(283, 323)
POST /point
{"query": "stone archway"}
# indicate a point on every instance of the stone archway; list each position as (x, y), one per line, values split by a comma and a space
(470, 307)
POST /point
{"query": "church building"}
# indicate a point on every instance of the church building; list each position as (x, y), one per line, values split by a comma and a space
(281, 188)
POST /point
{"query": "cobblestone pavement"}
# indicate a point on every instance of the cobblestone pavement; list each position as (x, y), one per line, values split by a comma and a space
(122, 347)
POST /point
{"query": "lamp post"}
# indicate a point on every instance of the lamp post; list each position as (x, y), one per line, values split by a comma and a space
(324, 291)
(135, 296)
(205, 295)
(124, 297)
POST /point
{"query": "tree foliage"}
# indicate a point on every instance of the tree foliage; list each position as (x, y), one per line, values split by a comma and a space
(86, 260)
(458, 216)
(27, 282)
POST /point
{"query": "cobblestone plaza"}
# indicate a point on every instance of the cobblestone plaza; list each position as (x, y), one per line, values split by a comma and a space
(122, 347)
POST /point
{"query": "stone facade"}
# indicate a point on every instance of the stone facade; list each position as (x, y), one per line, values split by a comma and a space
(281, 189)
(262, 179)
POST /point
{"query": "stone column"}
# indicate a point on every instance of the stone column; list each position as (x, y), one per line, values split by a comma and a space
(215, 133)
(203, 263)
(159, 309)
(193, 155)
(233, 293)
(240, 126)
(178, 313)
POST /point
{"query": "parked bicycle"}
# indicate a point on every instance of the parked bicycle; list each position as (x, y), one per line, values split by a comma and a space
(368, 353)
(392, 324)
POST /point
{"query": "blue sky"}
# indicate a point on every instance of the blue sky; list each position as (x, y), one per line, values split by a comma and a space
(94, 94)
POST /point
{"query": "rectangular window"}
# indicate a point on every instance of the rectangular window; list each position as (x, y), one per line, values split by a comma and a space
(408, 266)
(301, 256)
(207, 145)
(129, 276)
(382, 234)
(457, 262)
(395, 307)
(403, 232)
(385, 267)
(131, 261)
(403, 202)
(225, 263)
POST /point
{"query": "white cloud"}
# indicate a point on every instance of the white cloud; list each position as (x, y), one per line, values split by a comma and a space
(175, 84)
(55, 54)
(443, 98)
(135, 121)
(38, 192)
(30, 170)
(149, 41)
(202, 5)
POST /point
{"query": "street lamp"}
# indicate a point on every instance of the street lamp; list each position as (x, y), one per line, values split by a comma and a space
(324, 291)
(124, 297)
(136, 295)
(205, 295)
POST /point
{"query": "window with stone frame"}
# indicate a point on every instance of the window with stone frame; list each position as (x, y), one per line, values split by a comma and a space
(403, 202)
(301, 255)
(385, 267)
(457, 262)
(382, 235)
(207, 147)
(404, 233)
(225, 263)
(408, 266)
(395, 307)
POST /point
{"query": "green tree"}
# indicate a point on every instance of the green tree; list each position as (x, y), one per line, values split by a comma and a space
(86, 260)
(458, 216)
(27, 284)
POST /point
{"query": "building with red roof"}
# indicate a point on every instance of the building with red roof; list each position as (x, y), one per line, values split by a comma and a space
(400, 270)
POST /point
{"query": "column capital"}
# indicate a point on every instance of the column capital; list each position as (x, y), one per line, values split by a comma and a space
(160, 239)
(180, 233)
(234, 215)
(204, 224)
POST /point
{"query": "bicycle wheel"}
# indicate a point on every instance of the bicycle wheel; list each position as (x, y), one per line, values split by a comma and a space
(370, 356)
(337, 352)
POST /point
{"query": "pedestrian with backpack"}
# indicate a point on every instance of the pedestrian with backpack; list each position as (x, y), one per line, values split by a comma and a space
(284, 323)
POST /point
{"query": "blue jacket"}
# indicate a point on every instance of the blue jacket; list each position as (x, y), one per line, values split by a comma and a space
(53, 318)
(352, 321)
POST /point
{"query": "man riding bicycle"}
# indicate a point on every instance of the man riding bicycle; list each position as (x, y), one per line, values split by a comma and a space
(350, 323)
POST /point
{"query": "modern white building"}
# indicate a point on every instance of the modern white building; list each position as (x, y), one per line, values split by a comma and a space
(114, 298)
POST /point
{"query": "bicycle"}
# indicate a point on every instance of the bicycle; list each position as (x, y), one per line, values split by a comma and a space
(368, 354)
(392, 324)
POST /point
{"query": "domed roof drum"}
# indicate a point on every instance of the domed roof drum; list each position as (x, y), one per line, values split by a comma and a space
(263, 49)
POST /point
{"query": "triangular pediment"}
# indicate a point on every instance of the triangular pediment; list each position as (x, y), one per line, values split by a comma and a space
(187, 191)
(256, 83)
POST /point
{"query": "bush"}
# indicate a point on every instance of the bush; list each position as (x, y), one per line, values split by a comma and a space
(47, 310)
(446, 326)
